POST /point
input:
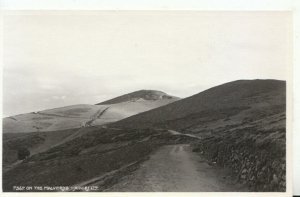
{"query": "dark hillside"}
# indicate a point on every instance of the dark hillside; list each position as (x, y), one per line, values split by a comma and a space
(224, 100)
(242, 125)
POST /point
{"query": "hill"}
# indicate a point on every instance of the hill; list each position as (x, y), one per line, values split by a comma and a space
(151, 95)
(40, 131)
(76, 116)
(239, 126)
(221, 101)
(242, 125)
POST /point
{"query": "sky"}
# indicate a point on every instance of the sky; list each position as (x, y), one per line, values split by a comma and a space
(58, 58)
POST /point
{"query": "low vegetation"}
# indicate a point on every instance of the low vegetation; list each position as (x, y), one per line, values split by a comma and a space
(240, 125)
(94, 154)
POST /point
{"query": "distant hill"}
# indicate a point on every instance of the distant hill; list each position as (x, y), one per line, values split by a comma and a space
(40, 131)
(150, 95)
(218, 102)
(83, 115)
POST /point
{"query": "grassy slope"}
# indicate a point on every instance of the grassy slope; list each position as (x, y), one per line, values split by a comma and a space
(76, 116)
(35, 142)
(220, 101)
(45, 142)
(93, 154)
(50, 120)
(242, 124)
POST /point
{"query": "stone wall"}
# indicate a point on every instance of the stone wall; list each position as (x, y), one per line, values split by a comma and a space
(261, 165)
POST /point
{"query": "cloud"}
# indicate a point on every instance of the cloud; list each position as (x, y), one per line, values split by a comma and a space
(55, 60)
(58, 97)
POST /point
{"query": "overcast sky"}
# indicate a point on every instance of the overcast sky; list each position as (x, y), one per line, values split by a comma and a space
(54, 59)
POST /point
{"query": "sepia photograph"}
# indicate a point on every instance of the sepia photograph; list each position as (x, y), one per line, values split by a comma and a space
(145, 101)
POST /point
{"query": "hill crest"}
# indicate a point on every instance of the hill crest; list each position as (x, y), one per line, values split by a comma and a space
(152, 95)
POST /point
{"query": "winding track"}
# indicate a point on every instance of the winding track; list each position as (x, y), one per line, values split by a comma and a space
(175, 168)
(95, 116)
(81, 130)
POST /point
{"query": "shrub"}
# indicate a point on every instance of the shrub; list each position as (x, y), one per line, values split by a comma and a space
(23, 153)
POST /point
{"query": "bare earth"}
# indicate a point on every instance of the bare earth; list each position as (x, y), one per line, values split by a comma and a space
(175, 168)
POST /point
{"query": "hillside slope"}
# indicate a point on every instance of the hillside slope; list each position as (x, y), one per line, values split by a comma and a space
(62, 118)
(76, 116)
(100, 154)
(220, 101)
(242, 125)
(150, 95)
(239, 126)
(40, 131)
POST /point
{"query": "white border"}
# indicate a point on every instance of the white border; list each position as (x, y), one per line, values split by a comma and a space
(203, 5)
(147, 4)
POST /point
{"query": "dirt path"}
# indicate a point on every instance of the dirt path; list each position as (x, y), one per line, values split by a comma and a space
(80, 131)
(176, 168)
(173, 132)
(95, 116)
(55, 115)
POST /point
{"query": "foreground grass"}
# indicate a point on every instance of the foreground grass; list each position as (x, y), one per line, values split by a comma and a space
(96, 153)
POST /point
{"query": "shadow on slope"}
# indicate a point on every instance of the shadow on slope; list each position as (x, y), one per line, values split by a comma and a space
(95, 154)
(242, 124)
